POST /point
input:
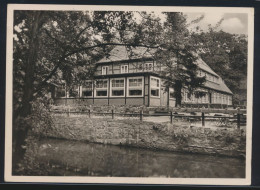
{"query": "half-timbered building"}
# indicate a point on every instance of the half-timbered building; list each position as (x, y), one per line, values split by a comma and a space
(121, 80)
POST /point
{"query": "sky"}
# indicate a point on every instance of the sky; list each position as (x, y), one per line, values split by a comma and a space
(235, 23)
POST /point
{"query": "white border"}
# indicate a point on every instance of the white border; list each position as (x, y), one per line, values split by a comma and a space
(206, 181)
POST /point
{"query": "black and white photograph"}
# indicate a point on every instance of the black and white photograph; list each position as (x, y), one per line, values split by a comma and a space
(127, 94)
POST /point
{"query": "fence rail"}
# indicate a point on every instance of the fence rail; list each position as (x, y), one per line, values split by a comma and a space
(238, 117)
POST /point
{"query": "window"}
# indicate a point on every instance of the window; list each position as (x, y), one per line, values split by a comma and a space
(185, 96)
(101, 88)
(135, 86)
(155, 87)
(210, 77)
(124, 68)
(87, 89)
(171, 93)
(192, 97)
(199, 99)
(148, 66)
(204, 98)
(200, 73)
(117, 87)
(61, 91)
(104, 70)
(74, 91)
(140, 66)
(214, 98)
(229, 100)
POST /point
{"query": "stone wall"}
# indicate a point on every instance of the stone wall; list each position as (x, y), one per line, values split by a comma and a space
(166, 136)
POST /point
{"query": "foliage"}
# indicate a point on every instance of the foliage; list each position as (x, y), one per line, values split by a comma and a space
(39, 122)
(226, 54)
(178, 57)
(53, 47)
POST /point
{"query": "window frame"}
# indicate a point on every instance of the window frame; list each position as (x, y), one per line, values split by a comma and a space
(151, 87)
(95, 89)
(171, 90)
(102, 73)
(81, 89)
(148, 66)
(63, 87)
(120, 88)
(73, 88)
(128, 87)
(123, 70)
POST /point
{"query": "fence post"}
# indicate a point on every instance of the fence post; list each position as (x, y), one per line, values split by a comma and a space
(89, 113)
(141, 115)
(203, 119)
(238, 120)
(112, 114)
(171, 116)
(68, 112)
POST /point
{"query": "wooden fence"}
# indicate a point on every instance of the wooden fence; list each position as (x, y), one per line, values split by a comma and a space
(238, 117)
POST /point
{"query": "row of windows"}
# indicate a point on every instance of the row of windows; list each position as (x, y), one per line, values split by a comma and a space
(135, 86)
(216, 98)
(194, 99)
(124, 68)
(221, 98)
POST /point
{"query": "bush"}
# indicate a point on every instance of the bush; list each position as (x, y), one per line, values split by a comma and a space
(33, 127)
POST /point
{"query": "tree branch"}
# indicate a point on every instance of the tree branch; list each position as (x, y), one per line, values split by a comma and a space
(78, 35)
(53, 38)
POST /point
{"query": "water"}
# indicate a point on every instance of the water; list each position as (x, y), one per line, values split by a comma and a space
(73, 158)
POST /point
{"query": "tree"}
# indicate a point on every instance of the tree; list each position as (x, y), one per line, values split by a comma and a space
(226, 54)
(50, 46)
(178, 57)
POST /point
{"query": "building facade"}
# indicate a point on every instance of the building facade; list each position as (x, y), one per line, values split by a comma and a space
(122, 81)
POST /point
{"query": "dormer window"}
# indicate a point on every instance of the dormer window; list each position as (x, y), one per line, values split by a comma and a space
(104, 70)
(124, 69)
(200, 73)
(148, 66)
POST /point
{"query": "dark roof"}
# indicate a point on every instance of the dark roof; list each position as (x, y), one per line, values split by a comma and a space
(202, 65)
(120, 53)
(221, 86)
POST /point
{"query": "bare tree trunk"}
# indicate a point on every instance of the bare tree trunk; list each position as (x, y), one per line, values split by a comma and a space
(21, 131)
(178, 96)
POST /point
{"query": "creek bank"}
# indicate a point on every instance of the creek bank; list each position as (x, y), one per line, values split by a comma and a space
(141, 134)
